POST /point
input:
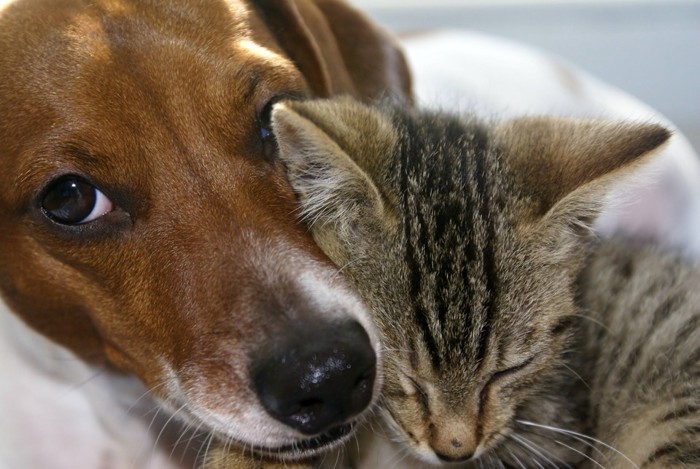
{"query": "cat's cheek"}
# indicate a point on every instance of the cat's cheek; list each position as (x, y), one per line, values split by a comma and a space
(497, 419)
(404, 419)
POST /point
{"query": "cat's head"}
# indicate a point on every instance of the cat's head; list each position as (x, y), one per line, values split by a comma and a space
(464, 239)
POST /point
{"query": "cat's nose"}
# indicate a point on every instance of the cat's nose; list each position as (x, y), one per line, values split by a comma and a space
(453, 448)
(454, 457)
(317, 377)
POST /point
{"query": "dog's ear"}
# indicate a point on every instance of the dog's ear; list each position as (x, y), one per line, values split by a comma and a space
(338, 49)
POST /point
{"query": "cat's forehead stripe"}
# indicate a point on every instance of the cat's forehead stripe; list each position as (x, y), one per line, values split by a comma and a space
(483, 187)
(409, 159)
(449, 241)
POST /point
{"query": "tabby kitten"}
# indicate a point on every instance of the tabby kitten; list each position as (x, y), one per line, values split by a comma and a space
(466, 240)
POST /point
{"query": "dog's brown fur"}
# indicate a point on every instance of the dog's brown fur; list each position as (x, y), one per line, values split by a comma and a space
(158, 105)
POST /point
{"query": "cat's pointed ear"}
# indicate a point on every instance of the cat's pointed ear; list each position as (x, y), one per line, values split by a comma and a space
(569, 165)
(333, 152)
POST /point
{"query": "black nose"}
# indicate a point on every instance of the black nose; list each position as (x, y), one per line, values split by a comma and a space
(316, 377)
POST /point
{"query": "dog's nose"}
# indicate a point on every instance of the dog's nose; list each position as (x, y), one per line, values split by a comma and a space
(317, 378)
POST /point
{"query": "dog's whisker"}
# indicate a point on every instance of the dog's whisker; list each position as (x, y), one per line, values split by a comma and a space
(148, 392)
(186, 430)
(206, 448)
(162, 431)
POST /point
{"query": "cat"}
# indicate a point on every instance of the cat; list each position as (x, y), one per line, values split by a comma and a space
(506, 342)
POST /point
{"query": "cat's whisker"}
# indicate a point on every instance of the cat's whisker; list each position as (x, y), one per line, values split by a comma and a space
(595, 321)
(577, 438)
(532, 447)
(571, 448)
(495, 462)
(391, 437)
(586, 437)
(533, 453)
(399, 457)
(512, 455)
(576, 374)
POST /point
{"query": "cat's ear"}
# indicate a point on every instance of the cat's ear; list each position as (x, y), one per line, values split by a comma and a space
(572, 166)
(333, 151)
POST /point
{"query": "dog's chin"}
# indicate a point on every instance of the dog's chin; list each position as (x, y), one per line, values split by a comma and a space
(309, 447)
(318, 444)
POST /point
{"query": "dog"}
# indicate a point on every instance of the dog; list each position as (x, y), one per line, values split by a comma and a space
(153, 268)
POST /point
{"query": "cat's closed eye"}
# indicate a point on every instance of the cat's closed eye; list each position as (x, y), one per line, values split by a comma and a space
(502, 374)
(513, 369)
(420, 394)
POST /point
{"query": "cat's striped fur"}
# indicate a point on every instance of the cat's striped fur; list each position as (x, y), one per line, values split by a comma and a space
(643, 340)
(466, 240)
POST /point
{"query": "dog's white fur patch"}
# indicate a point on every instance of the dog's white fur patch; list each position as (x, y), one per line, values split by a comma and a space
(60, 413)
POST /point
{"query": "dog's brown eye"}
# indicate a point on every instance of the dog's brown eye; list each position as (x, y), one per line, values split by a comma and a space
(265, 125)
(266, 135)
(73, 201)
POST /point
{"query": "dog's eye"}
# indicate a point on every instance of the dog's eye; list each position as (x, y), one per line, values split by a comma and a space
(266, 135)
(73, 201)
(265, 124)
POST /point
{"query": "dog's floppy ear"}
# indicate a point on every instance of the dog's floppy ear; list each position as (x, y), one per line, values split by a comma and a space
(338, 49)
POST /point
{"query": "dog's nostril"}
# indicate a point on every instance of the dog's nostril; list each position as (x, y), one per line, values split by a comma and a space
(307, 404)
(367, 375)
(318, 379)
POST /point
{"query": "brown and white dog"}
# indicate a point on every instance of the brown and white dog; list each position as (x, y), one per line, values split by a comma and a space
(147, 231)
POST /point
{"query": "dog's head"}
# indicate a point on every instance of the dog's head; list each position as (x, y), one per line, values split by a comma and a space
(144, 221)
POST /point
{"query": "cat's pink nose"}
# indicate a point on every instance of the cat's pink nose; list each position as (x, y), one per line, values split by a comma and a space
(452, 450)
(450, 458)
(454, 439)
